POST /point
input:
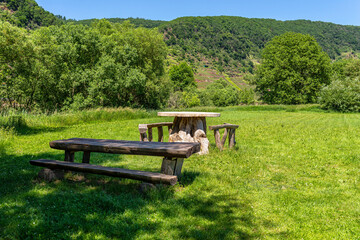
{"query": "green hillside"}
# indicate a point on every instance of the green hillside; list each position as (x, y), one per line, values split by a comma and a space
(236, 38)
(27, 13)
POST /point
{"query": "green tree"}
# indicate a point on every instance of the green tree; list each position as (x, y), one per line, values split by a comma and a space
(293, 70)
(182, 76)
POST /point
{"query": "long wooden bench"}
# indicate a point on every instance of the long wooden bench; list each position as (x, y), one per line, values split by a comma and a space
(173, 153)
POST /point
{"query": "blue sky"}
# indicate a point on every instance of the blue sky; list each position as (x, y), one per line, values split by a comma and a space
(346, 12)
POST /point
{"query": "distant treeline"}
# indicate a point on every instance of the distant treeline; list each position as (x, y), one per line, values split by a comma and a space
(137, 22)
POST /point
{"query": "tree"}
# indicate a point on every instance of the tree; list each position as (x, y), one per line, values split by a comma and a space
(293, 70)
(182, 76)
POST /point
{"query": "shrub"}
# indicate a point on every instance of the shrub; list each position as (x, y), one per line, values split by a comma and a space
(182, 76)
(341, 95)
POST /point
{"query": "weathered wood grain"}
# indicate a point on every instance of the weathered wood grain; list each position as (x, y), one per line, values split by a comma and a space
(226, 125)
(162, 124)
(165, 149)
(188, 114)
(223, 140)
(160, 134)
(108, 171)
(217, 139)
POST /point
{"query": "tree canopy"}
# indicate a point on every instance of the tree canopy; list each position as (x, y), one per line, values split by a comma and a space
(74, 66)
(293, 70)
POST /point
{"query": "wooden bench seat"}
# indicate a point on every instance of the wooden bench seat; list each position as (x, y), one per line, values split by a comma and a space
(173, 153)
(108, 171)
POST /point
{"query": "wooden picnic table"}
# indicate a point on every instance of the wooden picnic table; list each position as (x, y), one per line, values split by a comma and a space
(173, 153)
(190, 127)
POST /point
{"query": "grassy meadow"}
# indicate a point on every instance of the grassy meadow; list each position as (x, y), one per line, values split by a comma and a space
(293, 174)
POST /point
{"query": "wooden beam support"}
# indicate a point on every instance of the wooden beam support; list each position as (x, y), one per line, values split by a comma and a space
(69, 156)
(160, 134)
(86, 157)
(217, 139)
(150, 134)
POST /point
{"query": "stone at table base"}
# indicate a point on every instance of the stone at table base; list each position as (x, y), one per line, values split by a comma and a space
(190, 129)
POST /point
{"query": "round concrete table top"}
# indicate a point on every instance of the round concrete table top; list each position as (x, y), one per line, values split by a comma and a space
(188, 114)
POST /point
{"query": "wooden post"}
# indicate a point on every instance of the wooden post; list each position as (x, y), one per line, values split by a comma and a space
(142, 130)
(172, 166)
(178, 166)
(150, 134)
(160, 134)
(170, 130)
(168, 166)
(69, 156)
(223, 140)
(217, 139)
(232, 138)
(86, 157)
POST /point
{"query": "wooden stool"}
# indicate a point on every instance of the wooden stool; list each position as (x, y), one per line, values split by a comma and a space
(148, 127)
(229, 130)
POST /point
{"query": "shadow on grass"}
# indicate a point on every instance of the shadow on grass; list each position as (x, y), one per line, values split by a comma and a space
(103, 207)
(26, 130)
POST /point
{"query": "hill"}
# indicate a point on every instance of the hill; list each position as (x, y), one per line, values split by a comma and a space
(237, 38)
(27, 14)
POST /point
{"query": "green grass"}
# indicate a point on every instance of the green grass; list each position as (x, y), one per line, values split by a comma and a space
(294, 174)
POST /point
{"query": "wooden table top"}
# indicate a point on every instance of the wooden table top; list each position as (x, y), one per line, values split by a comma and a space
(188, 114)
(165, 149)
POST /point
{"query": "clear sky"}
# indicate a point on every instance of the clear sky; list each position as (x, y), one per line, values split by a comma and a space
(346, 12)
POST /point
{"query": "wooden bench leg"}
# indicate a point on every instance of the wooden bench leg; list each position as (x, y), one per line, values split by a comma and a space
(223, 140)
(172, 166)
(217, 139)
(232, 138)
(86, 157)
(150, 134)
(69, 156)
(160, 134)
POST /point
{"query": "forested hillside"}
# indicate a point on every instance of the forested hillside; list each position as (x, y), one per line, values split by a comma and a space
(235, 38)
(27, 13)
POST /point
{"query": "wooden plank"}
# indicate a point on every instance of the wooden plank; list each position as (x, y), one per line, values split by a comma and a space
(188, 114)
(108, 171)
(162, 124)
(226, 125)
(165, 149)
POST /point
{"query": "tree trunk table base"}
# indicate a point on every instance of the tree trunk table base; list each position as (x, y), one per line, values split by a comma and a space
(190, 127)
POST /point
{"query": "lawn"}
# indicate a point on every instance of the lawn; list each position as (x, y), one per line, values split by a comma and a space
(294, 174)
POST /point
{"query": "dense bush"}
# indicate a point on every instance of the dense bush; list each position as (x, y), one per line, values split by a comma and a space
(347, 68)
(182, 76)
(343, 94)
(293, 70)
